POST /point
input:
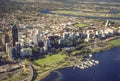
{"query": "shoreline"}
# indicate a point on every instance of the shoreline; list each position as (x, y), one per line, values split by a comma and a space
(63, 65)
(109, 46)
(49, 72)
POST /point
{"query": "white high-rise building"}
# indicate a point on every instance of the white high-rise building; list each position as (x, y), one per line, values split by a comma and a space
(47, 44)
(35, 36)
(88, 35)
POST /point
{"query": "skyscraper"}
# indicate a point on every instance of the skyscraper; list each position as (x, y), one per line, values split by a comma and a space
(18, 48)
(36, 36)
(14, 34)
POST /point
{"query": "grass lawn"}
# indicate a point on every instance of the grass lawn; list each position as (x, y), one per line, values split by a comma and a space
(109, 45)
(76, 52)
(82, 13)
(50, 59)
(115, 42)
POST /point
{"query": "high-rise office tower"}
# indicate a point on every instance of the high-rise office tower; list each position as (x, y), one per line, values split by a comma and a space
(36, 36)
(18, 48)
(14, 34)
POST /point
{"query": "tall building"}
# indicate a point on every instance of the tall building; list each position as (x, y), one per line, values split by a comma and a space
(14, 34)
(5, 39)
(36, 36)
(47, 44)
(11, 53)
(18, 48)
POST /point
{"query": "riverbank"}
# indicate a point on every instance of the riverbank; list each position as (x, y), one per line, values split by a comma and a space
(44, 71)
(106, 16)
(108, 67)
(109, 44)
(43, 75)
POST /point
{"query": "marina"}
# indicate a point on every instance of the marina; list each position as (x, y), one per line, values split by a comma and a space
(86, 64)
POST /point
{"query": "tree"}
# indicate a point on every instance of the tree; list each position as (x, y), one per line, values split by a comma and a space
(63, 51)
(35, 49)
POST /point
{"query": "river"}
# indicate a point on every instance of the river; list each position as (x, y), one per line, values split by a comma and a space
(90, 17)
(107, 70)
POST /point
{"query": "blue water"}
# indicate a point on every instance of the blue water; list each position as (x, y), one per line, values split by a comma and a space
(107, 70)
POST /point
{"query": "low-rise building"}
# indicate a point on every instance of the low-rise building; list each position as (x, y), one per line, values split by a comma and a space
(26, 52)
